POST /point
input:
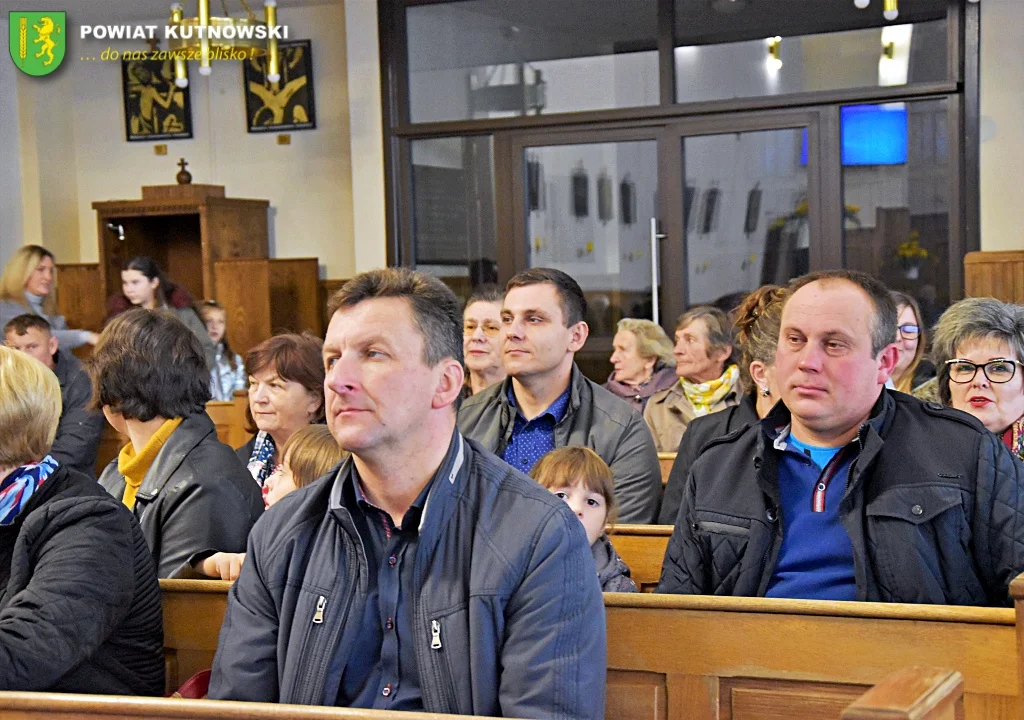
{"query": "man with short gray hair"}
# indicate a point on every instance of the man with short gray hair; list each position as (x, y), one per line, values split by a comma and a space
(848, 490)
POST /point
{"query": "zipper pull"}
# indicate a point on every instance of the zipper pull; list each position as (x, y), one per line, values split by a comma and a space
(435, 635)
(318, 616)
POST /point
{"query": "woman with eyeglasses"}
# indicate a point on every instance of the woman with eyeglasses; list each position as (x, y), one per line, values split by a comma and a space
(481, 339)
(910, 371)
(979, 343)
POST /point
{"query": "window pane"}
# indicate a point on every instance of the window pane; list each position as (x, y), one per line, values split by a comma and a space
(898, 201)
(589, 210)
(725, 53)
(499, 58)
(453, 210)
(745, 212)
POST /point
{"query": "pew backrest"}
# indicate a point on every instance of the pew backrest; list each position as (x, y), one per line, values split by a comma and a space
(58, 706)
(701, 657)
(666, 460)
(642, 548)
(916, 693)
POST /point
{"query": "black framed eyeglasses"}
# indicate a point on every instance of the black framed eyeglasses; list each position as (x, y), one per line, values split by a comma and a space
(1000, 370)
(909, 331)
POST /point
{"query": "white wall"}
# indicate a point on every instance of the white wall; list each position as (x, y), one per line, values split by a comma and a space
(73, 150)
(10, 168)
(367, 141)
(1002, 124)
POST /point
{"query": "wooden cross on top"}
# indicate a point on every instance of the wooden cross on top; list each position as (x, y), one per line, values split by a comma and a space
(184, 177)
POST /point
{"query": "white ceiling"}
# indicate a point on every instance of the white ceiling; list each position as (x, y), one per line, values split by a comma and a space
(110, 12)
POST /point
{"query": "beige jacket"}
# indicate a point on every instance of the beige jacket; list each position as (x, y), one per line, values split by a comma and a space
(668, 413)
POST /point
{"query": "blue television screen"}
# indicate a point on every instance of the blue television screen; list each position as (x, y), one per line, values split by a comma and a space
(872, 135)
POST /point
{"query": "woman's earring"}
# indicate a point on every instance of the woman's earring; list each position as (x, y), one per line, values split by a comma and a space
(765, 392)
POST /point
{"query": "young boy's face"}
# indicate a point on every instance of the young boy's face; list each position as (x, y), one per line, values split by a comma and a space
(590, 508)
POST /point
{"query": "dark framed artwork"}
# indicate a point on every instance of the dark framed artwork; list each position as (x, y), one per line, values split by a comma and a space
(154, 107)
(753, 210)
(289, 103)
(580, 192)
(605, 202)
(627, 201)
(709, 216)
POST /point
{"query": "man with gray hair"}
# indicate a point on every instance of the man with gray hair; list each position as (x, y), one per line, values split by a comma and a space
(424, 573)
(848, 490)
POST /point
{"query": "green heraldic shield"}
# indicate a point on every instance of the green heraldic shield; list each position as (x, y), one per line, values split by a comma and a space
(38, 41)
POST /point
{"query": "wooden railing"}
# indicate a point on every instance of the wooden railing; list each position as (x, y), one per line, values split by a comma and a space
(701, 657)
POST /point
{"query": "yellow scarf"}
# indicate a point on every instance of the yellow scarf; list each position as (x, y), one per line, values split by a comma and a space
(704, 396)
(134, 467)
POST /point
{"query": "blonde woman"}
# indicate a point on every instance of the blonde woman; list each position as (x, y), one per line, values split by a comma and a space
(643, 362)
(80, 611)
(27, 285)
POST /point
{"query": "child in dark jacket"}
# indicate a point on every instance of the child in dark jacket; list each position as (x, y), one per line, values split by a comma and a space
(579, 476)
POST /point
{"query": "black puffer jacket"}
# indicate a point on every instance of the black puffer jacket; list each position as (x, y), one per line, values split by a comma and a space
(79, 600)
(934, 508)
(196, 498)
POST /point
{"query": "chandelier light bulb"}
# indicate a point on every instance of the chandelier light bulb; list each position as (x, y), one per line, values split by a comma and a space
(181, 82)
(274, 78)
(890, 11)
(205, 69)
(861, 4)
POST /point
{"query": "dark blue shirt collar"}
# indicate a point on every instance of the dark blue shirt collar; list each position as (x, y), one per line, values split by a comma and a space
(556, 409)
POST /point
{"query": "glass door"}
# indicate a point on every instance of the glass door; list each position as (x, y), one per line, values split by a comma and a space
(590, 209)
(744, 210)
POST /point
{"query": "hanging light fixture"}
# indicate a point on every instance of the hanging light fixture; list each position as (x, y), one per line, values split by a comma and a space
(774, 62)
(890, 10)
(223, 37)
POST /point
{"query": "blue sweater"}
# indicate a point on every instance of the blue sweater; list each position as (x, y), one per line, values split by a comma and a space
(815, 560)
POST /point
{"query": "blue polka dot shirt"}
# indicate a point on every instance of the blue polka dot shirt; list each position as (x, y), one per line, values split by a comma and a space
(533, 439)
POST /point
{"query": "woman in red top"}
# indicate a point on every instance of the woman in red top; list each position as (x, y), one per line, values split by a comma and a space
(978, 350)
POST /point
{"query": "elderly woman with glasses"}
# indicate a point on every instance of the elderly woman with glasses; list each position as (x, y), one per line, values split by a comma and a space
(978, 346)
(481, 339)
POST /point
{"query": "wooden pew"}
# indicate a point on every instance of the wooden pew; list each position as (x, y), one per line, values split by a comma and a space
(642, 548)
(918, 693)
(699, 657)
(666, 460)
(56, 706)
(193, 612)
(915, 693)
(228, 417)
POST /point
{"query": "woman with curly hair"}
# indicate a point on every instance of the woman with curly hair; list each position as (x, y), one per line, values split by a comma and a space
(756, 323)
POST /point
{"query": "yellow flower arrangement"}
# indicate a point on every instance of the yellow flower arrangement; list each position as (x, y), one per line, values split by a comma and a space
(911, 250)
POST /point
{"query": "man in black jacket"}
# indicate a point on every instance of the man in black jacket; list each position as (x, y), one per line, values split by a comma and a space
(847, 490)
(425, 573)
(79, 431)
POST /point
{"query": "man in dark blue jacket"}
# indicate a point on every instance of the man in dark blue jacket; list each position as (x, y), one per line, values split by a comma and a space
(425, 573)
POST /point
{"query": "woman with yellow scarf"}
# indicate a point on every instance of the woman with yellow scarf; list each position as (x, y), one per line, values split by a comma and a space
(708, 381)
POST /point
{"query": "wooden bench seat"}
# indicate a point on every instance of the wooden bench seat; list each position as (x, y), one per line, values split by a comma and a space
(917, 693)
(642, 548)
(57, 706)
(913, 693)
(666, 461)
(699, 657)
